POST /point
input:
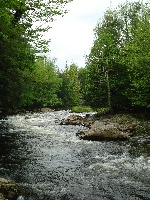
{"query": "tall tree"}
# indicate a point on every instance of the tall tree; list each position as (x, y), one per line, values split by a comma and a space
(106, 74)
(42, 85)
(82, 76)
(32, 18)
(70, 90)
(118, 64)
(22, 24)
(136, 52)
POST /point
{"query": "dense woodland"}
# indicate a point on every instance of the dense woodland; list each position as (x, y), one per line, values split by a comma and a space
(117, 71)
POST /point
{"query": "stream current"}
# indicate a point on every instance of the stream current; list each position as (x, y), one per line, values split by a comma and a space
(50, 163)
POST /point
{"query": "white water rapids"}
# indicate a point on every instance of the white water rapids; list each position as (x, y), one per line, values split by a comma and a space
(51, 163)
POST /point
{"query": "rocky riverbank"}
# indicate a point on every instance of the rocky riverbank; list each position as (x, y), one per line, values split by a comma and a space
(109, 127)
(9, 190)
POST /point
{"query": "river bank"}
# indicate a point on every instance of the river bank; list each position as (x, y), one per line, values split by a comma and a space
(104, 126)
(111, 127)
(9, 190)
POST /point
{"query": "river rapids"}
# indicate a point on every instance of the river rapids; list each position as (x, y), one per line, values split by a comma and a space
(50, 163)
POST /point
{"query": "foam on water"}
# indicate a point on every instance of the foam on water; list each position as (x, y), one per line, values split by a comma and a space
(123, 163)
(50, 162)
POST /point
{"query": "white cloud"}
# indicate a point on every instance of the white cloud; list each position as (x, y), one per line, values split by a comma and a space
(72, 35)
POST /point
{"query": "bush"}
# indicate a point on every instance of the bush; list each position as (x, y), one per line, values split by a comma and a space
(79, 109)
(102, 111)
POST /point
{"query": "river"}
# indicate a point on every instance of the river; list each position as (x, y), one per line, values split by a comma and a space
(50, 163)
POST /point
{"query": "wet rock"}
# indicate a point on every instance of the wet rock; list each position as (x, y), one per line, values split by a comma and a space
(111, 127)
(2, 197)
(46, 110)
(9, 190)
(77, 120)
(100, 130)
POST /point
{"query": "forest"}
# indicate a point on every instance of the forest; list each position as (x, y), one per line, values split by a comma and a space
(117, 71)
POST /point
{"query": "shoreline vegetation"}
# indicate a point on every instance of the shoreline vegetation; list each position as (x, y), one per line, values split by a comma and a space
(116, 73)
(99, 112)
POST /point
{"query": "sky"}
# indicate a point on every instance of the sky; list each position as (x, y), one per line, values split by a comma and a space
(72, 36)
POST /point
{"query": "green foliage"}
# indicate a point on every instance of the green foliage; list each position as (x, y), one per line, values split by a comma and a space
(16, 55)
(101, 112)
(103, 64)
(118, 67)
(70, 89)
(80, 109)
(138, 59)
(31, 18)
(22, 24)
(42, 86)
(117, 72)
(82, 76)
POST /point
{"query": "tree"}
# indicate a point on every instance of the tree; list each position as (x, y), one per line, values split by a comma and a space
(31, 18)
(42, 85)
(70, 89)
(16, 54)
(104, 66)
(22, 24)
(82, 76)
(118, 64)
(136, 52)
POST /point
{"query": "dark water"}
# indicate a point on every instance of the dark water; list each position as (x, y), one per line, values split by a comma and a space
(50, 162)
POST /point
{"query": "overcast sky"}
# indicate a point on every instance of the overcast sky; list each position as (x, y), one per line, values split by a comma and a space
(72, 35)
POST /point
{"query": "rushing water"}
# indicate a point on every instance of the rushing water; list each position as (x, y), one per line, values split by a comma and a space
(50, 162)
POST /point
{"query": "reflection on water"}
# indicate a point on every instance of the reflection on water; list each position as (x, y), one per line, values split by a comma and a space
(50, 162)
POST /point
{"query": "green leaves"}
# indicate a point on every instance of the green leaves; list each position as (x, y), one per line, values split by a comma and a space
(41, 85)
(70, 89)
(118, 64)
(22, 24)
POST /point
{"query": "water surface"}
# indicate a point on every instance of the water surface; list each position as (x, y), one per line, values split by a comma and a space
(51, 163)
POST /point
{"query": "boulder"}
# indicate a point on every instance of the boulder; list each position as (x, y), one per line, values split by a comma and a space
(100, 130)
(9, 190)
(2, 197)
(77, 120)
(46, 110)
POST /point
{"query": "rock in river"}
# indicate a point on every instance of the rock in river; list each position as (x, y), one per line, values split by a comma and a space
(9, 190)
(78, 120)
(100, 130)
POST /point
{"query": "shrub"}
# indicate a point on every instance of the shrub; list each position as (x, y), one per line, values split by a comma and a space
(102, 111)
(79, 109)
